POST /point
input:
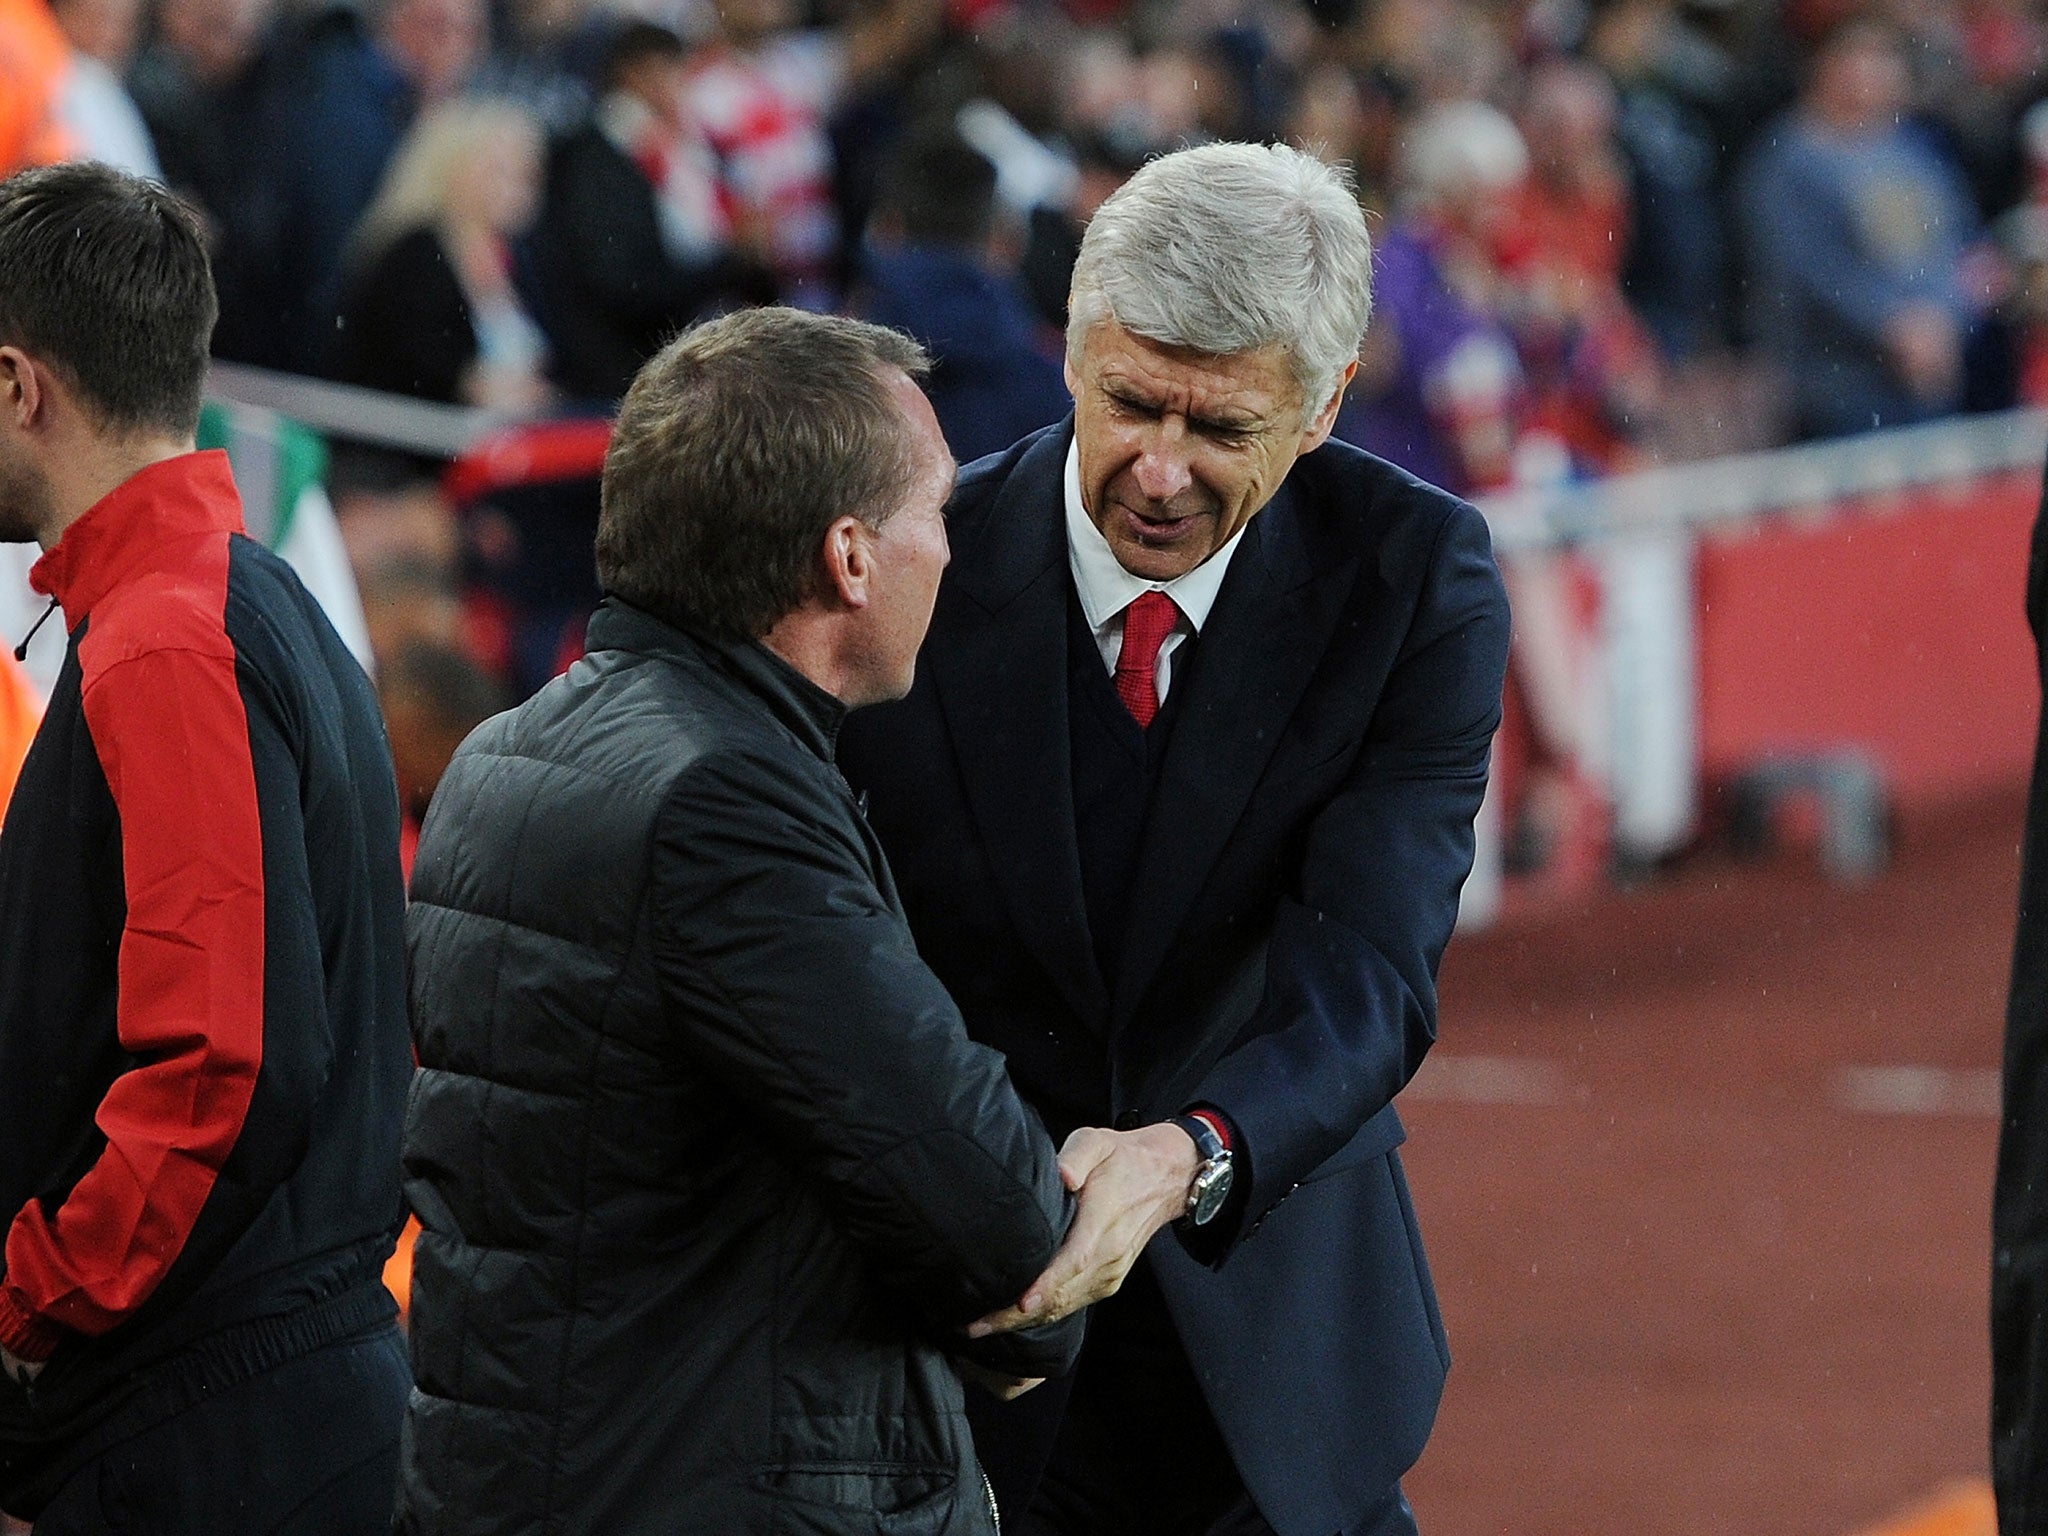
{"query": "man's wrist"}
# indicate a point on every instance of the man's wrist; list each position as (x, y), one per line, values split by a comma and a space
(1209, 1183)
(25, 1336)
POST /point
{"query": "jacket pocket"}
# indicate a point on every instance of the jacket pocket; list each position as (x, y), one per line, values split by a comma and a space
(1376, 1138)
(838, 1498)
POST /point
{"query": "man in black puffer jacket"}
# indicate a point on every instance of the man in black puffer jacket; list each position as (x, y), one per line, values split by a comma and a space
(711, 1177)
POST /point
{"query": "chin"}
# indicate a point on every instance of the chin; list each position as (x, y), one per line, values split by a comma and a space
(1153, 562)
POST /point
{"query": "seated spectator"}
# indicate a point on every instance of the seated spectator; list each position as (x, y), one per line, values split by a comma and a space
(930, 272)
(1439, 390)
(637, 236)
(1590, 364)
(432, 309)
(96, 105)
(1856, 231)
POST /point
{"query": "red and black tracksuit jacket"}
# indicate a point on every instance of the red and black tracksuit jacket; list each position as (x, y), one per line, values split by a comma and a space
(203, 1045)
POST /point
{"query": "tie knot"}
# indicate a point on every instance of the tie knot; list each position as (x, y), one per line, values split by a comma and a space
(1147, 622)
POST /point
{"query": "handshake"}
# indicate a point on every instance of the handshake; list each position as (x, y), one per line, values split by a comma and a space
(1127, 1185)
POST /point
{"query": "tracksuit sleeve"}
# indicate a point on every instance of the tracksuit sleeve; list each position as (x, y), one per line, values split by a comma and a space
(182, 752)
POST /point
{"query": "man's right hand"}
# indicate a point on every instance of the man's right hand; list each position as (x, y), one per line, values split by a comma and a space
(1128, 1185)
(19, 1371)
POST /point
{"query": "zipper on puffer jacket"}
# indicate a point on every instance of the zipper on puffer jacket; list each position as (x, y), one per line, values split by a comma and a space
(995, 1515)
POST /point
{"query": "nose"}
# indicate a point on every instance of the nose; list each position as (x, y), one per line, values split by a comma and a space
(1162, 470)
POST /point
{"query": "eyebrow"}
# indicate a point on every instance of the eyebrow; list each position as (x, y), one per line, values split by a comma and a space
(1128, 394)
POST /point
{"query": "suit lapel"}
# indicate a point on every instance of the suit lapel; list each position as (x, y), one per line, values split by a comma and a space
(1000, 673)
(1265, 636)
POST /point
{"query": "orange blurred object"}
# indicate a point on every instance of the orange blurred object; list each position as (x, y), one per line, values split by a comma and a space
(398, 1268)
(34, 60)
(20, 713)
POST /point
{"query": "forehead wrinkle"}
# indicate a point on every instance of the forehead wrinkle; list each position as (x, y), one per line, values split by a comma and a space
(1195, 385)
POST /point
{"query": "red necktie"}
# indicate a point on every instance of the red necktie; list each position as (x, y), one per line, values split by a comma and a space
(1147, 623)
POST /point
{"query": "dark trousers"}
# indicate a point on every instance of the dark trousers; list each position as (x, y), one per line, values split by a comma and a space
(306, 1448)
(1125, 1445)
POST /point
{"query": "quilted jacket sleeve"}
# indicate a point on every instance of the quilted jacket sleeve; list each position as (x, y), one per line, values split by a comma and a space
(808, 1001)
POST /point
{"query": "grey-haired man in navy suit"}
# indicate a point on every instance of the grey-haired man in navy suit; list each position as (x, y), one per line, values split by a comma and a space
(1180, 807)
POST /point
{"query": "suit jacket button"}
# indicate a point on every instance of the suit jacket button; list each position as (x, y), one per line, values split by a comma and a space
(1128, 1120)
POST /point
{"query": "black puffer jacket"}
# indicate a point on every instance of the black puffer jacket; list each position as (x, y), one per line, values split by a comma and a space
(710, 1173)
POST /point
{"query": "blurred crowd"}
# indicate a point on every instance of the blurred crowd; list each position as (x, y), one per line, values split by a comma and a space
(510, 202)
(1610, 231)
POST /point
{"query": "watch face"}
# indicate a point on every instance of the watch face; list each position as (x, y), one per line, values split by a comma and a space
(1212, 1188)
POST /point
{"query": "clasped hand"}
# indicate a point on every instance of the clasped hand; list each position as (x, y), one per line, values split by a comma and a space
(20, 1372)
(1127, 1185)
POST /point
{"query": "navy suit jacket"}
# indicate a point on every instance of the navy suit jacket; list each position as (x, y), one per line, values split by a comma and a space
(1296, 884)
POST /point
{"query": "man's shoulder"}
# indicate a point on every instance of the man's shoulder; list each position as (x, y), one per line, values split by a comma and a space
(647, 725)
(1036, 457)
(182, 605)
(1028, 472)
(1351, 503)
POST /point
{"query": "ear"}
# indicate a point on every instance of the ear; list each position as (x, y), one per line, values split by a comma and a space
(849, 556)
(1318, 431)
(23, 395)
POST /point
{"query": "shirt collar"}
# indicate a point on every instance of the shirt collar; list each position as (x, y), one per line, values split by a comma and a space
(1107, 589)
(127, 530)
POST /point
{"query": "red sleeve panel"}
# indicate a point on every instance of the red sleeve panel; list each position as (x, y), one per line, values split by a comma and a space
(172, 732)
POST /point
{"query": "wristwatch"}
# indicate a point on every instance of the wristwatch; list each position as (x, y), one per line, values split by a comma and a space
(1211, 1184)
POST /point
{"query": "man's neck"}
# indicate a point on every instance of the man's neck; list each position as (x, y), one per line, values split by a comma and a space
(815, 645)
(81, 479)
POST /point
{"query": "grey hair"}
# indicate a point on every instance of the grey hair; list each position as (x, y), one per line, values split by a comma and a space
(1230, 248)
(1460, 146)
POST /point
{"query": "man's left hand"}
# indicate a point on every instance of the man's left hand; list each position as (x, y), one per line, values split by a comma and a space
(20, 1372)
(1129, 1184)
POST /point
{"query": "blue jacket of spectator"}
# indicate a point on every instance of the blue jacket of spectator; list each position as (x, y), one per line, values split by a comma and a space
(342, 105)
(992, 381)
(1845, 232)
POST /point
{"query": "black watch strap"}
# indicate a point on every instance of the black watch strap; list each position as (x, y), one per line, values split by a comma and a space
(1213, 1173)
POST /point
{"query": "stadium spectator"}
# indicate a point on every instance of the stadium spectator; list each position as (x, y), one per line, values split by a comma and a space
(2022, 234)
(714, 1278)
(1205, 898)
(101, 114)
(204, 87)
(1856, 231)
(549, 55)
(1676, 258)
(1440, 391)
(1590, 366)
(931, 271)
(346, 93)
(433, 696)
(638, 235)
(432, 309)
(765, 90)
(203, 1055)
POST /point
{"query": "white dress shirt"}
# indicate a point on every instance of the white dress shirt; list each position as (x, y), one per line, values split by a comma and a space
(1107, 589)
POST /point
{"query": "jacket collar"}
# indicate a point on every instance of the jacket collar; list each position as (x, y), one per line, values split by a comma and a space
(811, 714)
(128, 530)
